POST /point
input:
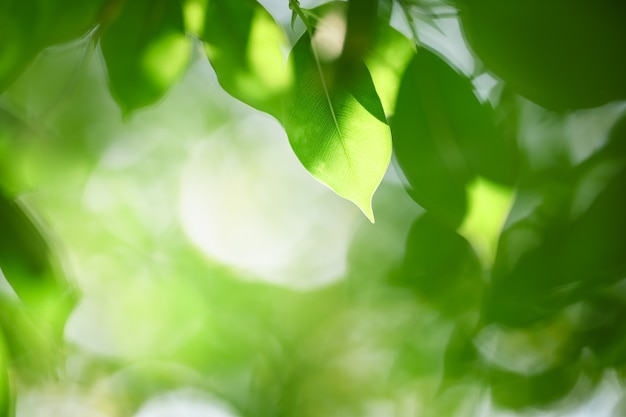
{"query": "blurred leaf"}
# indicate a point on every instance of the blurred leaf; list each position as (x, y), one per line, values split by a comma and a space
(604, 224)
(526, 286)
(489, 205)
(361, 32)
(28, 26)
(386, 62)
(18, 44)
(6, 394)
(25, 262)
(560, 54)
(569, 244)
(145, 50)
(33, 321)
(603, 328)
(385, 8)
(337, 127)
(245, 47)
(518, 391)
(443, 136)
(441, 267)
(136, 383)
(461, 361)
(33, 345)
(376, 251)
(66, 20)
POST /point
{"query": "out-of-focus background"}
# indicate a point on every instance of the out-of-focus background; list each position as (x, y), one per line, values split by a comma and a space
(208, 274)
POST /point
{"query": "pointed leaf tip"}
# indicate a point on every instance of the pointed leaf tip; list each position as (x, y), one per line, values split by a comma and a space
(337, 127)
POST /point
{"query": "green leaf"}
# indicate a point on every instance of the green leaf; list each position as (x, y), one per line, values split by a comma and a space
(361, 31)
(568, 247)
(66, 20)
(444, 136)
(337, 127)
(245, 47)
(31, 347)
(387, 61)
(461, 359)
(519, 391)
(32, 319)
(26, 27)
(539, 49)
(17, 42)
(441, 267)
(6, 400)
(145, 50)
(27, 265)
(602, 328)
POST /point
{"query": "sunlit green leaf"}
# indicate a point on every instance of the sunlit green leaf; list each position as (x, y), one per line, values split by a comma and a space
(488, 206)
(245, 47)
(145, 50)
(337, 127)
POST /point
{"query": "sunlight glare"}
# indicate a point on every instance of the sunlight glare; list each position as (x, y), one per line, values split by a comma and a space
(246, 201)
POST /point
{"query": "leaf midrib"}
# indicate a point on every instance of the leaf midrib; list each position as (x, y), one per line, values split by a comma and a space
(332, 111)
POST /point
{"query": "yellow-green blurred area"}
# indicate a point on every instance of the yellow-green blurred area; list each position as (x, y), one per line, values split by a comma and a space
(178, 260)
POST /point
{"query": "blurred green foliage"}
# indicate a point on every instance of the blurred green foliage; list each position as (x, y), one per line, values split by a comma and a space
(492, 280)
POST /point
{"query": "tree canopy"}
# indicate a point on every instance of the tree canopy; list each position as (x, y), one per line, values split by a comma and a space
(275, 208)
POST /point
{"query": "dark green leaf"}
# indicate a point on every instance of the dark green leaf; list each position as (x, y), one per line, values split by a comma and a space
(28, 26)
(17, 41)
(66, 20)
(568, 246)
(25, 257)
(361, 32)
(337, 127)
(560, 54)
(604, 224)
(460, 361)
(145, 50)
(602, 327)
(443, 136)
(441, 267)
(518, 391)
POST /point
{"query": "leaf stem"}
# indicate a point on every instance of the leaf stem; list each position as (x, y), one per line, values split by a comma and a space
(294, 5)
